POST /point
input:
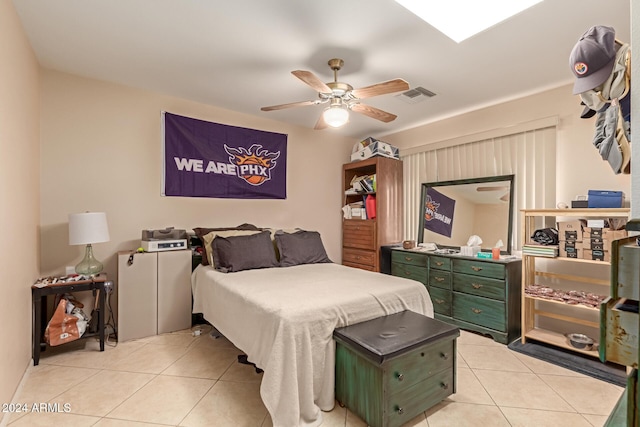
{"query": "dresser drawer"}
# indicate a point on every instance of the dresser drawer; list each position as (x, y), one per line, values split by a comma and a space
(439, 279)
(419, 364)
(480, 311)
(441, 300)
(360, 266)
(358, 233)
(409, 258)
(403, 406)
(628, 272)
(409, 272)
(619, 333)
(440, 263)
(480, 286)
(359, 256)
(479, 268)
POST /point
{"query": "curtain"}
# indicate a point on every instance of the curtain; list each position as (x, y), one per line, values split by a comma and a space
(529, 155)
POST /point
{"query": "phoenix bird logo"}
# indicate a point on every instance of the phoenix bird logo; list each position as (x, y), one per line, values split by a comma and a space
(255, 164)
(431, 208)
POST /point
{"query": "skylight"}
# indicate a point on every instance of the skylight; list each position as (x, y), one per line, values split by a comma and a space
(461, 19)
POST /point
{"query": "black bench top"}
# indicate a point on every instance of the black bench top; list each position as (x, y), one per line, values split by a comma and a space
(389, 336)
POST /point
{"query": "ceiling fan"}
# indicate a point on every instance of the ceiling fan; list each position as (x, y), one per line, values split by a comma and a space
(342, 97)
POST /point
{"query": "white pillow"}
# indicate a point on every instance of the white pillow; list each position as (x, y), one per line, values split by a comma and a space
(208, 239)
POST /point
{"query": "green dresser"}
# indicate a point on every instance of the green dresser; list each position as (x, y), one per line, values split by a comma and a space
(390, 369)
(619, 326)
(482, 295)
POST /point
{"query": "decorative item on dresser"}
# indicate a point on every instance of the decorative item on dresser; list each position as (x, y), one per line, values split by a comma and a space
(481, 295)
(84, 229)
(362, 238)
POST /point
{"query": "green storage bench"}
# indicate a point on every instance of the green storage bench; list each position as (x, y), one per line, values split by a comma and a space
(390, 369)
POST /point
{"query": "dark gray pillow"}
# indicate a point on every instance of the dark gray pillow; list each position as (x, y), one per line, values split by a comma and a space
(237, 253)
(203, 231)
(301, 247)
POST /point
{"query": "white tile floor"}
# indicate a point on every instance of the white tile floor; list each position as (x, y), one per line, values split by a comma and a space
(180, 380)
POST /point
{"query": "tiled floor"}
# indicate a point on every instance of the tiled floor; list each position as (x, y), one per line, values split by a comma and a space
(180, 380)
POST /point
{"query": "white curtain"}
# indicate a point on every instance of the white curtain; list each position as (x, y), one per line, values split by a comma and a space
(529, 155)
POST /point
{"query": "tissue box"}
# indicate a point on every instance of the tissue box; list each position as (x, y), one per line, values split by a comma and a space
(469, 250)
(484, 255)
(373, 147)
(605, 199)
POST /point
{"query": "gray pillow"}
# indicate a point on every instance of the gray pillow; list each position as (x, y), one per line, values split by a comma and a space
(301, 247)
(237, 253)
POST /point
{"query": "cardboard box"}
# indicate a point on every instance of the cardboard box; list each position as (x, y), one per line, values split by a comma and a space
(614, 234)
(592, 232)
(571, 253)
(570, 245)
(596, 255)
(570, 230)
(372, 147)
(597, 244)
(605, 199)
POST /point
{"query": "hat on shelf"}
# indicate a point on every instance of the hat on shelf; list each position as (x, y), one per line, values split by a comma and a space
(592, 58)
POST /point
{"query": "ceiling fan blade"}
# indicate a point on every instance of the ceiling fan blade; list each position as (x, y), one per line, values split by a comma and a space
(292, 104)
(381, 88)
(320, 124)
(309, 78)
(373, 112)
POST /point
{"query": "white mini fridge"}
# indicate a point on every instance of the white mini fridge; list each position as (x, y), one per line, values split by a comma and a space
(154, 293)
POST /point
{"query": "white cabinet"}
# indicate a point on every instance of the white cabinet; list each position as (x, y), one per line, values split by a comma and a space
(154, 293)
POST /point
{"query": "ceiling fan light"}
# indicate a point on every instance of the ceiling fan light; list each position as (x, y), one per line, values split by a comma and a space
(335, 116)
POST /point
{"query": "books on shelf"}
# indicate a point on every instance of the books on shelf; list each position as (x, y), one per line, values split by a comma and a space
(540, 250)
(362, 184)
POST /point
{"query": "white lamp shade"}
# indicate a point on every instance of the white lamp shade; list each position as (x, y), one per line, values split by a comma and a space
(87, 228)
(335, 116)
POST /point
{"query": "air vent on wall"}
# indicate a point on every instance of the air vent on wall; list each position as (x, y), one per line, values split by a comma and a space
(415, 95)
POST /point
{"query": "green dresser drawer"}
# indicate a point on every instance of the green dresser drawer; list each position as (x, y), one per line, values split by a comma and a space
(480, 311)
(440, 263)
(479, 268)
(441, 300)
(419, 365)
(411, 258)
(480, 286)
(409, 271)
(439, 279)
(405, 405)
(618, 334)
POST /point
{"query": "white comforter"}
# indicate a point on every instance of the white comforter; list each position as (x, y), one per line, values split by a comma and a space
(283, 319)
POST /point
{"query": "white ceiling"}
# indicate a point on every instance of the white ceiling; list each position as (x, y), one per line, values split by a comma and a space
(239, 54)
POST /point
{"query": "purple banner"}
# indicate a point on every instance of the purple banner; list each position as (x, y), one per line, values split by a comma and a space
(205, 159)
(438, 212)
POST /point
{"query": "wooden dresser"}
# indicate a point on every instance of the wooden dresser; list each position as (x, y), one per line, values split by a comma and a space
(362, 238)
(481, 295)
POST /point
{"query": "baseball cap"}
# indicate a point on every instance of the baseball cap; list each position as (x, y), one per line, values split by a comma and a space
(592, 58)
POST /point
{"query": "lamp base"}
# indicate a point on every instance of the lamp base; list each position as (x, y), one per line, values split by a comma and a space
(89, 265)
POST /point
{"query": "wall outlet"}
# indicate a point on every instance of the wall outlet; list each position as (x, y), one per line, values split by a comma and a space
(68, 270)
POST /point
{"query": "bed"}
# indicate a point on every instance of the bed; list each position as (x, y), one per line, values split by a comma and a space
(283, 319)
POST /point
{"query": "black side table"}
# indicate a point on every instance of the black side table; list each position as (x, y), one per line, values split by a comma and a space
(40, 306)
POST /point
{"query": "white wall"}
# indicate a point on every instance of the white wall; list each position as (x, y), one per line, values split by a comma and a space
(579, 166)
(19, 197)
(101, 152)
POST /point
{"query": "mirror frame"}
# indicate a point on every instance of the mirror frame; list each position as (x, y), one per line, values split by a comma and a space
(509, 178)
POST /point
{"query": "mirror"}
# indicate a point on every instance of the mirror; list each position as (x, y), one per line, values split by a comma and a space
(452, 211)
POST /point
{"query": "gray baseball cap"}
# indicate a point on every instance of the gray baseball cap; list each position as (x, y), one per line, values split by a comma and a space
(592, 58)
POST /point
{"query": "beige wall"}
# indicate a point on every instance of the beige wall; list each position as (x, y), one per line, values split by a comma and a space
(19, 196)
(578, 164)
(101, 152)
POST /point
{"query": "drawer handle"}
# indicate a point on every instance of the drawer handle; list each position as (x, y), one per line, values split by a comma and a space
(476, 286)
(399, 410)
(439, 263)
(439, 301)
(439, 279)
(408, 258)
(400, 377)
(357, 256)
(445, 356)
(445, 386)
(476, 268)
(476, 310)
(407, 273)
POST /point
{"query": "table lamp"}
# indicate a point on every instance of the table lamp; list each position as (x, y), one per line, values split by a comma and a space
(84, 229)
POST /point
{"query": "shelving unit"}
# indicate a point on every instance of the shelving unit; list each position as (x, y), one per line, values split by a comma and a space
(570, 317)
(362, 238)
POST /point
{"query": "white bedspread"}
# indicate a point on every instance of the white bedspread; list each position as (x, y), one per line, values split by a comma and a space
(283, 319)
